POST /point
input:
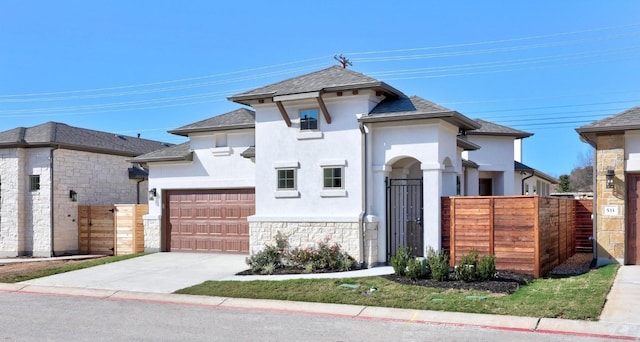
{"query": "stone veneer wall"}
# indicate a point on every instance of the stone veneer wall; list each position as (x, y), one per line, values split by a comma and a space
(11, 201)
(37, 204)
(306, 234)
(98, 179)
(152, 235)
(610, 228)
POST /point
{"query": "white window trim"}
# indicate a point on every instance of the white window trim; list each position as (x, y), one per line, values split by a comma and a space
(333, 193)
(332, 189)
(287, 193)
(221, 151)
(317, 119)
(309, 134)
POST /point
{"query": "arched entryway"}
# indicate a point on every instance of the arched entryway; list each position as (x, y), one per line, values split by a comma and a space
(404, 198)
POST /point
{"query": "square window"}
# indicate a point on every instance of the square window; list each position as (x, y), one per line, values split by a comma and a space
(286, 179)
(308, 119)
(34, 183)
(333, 178)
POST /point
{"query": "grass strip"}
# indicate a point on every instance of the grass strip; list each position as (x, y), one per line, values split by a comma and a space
(76, 265)
(578, 297)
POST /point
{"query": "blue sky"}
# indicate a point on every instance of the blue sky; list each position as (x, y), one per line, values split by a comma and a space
(129, 67)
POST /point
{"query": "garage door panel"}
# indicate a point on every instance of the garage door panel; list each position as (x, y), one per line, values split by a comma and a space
(210, 220)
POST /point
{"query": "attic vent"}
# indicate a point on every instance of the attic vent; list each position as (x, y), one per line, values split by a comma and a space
(121, 137)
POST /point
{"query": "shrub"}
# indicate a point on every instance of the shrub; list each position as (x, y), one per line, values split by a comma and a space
(400, 261)
(438, 264)
(417, 268)
(466, 269)
(486, 268)
(324, 257)
(270, 258)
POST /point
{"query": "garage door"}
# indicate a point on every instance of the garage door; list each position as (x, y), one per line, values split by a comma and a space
(209, 220)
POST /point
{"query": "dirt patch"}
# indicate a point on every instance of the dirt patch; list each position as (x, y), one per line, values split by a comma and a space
(27, 267)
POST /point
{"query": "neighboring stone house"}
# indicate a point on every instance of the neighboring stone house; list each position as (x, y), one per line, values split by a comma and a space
(331, 154)
(46, 171)
(616, 140)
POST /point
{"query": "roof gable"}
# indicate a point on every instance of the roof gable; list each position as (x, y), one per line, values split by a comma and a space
(490, 128)
(333, 78)
(69, 137)
(238, 119)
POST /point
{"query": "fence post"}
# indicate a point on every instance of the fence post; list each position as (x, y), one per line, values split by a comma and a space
(536, 236)
(452, 231)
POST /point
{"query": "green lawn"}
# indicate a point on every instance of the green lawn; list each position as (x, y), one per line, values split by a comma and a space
(39, 273)
(578, 297)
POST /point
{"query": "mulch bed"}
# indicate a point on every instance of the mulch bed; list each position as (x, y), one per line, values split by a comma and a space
(505, 282)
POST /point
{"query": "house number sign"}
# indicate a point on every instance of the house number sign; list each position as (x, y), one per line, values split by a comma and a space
(610, 210)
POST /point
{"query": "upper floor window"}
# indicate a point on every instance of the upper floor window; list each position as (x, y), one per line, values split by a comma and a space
(333, 178)
(286, 179)
(34, 182)
(309, 119)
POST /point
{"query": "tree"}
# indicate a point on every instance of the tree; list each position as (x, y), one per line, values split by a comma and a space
(581, 177)
(565, 184)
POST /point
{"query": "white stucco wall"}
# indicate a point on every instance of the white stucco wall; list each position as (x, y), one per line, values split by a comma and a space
(495, 160)
(433, 144)
(632, 150)
(213, 167)
(335, 144)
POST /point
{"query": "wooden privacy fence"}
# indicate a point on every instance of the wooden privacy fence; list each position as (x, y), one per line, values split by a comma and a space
(528, 234)
(111, 229)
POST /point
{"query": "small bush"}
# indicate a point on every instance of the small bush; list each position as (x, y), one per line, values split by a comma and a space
(438, 264)
(267, 259)
(400, 261)
(486, 268)
(466, 269)
(417, 268)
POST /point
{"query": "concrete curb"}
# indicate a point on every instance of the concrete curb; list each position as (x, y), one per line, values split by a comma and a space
(498, 322)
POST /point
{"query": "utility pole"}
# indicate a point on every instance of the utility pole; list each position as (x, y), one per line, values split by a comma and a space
(343, 61)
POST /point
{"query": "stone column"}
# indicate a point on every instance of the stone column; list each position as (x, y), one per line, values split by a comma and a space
(371, 241)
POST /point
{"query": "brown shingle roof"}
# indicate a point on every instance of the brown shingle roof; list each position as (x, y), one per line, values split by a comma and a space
(627, 120)
(237, 119)
(74, 138)
(333, 78)
(490, 128)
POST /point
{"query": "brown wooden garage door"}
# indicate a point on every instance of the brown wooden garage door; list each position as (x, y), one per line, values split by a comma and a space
(209, 220)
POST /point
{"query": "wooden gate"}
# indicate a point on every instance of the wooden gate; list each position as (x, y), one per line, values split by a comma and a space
(404, 216)
(96, 229)
(111, 229)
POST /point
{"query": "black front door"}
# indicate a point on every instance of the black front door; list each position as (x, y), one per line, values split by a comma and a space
(404, 216)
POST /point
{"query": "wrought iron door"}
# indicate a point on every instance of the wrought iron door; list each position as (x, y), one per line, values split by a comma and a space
(404, 216)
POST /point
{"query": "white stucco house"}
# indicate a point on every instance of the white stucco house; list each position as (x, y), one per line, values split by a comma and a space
(496, 169)
(331, 154)
(46, 171)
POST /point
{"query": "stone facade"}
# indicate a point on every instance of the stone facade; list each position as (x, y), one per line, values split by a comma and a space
(610, 225)
(26, 215)
(152, 233)
(306, 234)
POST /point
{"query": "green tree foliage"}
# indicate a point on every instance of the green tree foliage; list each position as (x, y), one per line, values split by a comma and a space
(565, 184)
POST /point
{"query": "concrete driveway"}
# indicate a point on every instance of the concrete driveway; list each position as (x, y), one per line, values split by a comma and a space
(157, 273)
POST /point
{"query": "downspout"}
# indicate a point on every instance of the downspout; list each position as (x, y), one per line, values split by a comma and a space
(363, 212)
(525, 178)
(51, 196)
(594, 211)
(138, 190)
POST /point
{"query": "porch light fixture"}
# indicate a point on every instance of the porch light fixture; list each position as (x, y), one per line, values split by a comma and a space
(153, 193)
(610, 175)
(73, 196)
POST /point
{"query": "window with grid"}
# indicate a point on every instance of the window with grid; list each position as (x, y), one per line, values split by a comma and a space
(333, 178)
(286, 179)
(308, 119)
(34, 183)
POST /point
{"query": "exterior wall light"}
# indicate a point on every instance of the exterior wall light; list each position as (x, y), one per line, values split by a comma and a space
(610, 175)
(73, 196)
(153, 193)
